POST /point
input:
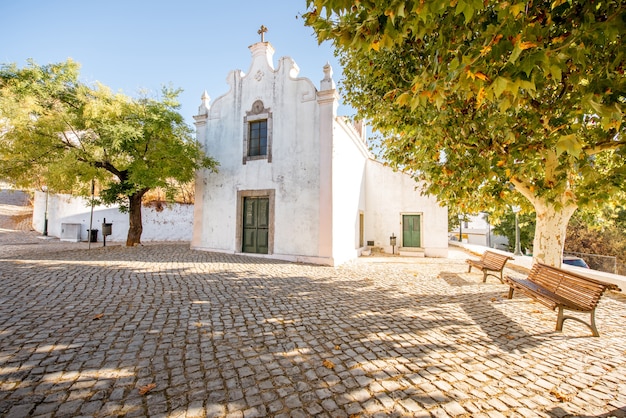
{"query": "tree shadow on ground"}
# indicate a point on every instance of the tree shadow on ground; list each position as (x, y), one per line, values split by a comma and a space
(239, 332)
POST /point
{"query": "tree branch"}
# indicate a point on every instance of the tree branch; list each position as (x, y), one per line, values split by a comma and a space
(604, 146)
(523, 188)
(551, 164)
(109, 167)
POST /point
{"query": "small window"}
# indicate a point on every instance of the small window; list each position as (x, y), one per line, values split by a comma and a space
(257, 143)
(257, 130)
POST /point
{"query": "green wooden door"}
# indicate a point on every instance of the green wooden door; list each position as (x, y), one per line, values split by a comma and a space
(411, 231)
(256, 224)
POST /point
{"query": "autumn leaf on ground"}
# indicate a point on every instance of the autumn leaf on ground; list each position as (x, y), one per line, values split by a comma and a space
(97, 317)
(560, 396)
(337, 347)
(509, 337)
(145, 389)
(494, 299)
(328, 364)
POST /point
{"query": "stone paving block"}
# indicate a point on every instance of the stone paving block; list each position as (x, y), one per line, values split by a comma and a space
(454, 408)
(439, 413)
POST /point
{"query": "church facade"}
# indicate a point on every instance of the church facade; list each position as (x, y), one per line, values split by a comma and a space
(296, 182)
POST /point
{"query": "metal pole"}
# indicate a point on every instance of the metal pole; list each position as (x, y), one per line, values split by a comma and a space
(460, 228)
(45, 217)
(91, 216)
(518, 250)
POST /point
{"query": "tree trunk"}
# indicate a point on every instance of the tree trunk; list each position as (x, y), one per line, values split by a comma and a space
(550, 229)
(135, 227)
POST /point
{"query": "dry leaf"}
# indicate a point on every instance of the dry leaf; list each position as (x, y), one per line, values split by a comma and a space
(328, 364)
(337, 347)
(560, 396)
(355, 416)
(494, 299)
(145, 389)
(509, 337)
(97, 317)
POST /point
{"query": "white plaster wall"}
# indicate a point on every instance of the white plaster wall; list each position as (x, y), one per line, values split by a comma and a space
(173, 223)
(349, 160)
(292, 173)
(391, 194)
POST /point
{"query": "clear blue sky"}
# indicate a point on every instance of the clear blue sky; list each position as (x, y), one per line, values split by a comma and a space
(130, 45)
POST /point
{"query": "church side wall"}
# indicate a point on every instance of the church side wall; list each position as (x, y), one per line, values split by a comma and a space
(390, 195)
(349, 161)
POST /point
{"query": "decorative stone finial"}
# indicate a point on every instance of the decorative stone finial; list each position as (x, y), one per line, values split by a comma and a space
(204, 107)
(328, 71)
(327, 83)
(262, 32)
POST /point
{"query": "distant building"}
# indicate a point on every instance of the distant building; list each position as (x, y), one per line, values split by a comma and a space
(478, 231)
(297, 182)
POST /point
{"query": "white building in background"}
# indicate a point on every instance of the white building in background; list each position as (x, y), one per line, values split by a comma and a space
(296, 182)
(478, 231)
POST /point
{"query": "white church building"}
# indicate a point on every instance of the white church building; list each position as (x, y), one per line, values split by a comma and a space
(296, 182)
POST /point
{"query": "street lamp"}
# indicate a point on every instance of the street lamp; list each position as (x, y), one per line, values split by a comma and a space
(516, 210)
(460, 228)
(45, 214)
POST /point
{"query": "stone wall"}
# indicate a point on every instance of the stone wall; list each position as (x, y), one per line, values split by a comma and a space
(161, 222)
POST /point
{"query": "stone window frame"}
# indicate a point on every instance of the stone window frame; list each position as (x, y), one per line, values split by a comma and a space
(258, 112)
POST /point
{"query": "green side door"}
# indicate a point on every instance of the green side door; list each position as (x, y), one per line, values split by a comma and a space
(411, 231)
(256, 225)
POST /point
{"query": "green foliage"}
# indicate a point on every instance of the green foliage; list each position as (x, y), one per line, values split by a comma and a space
(487, 101)
(57, 131)
(505, 226)
(600, 232)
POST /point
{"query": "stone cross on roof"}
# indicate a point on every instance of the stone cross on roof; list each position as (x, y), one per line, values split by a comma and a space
(261, 32)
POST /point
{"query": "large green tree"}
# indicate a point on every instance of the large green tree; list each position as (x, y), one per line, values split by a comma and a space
(58, 131)
(494, 103)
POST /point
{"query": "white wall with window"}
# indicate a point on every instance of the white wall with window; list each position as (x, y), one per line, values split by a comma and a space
(393, 200)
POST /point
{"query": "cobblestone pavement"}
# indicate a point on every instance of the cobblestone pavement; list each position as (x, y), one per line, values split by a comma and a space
(161, 330)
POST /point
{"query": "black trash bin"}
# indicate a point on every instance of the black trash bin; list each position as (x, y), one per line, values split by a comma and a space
(93, 235)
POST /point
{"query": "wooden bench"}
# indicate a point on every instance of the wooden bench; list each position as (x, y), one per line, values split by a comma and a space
(563, 289)
(488, 263)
